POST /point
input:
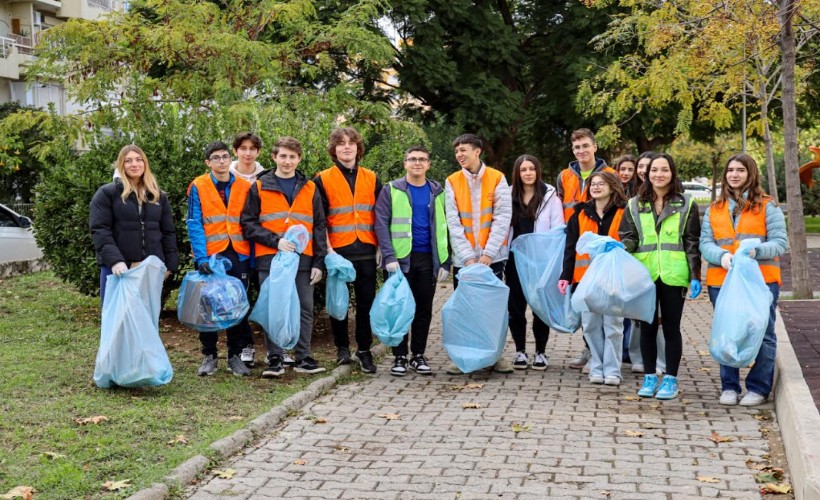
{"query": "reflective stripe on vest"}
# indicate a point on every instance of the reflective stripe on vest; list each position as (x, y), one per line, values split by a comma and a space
(588, 225)
(750, 224)
(663, 255)
(277, 216)
(573, 189)
(464, 204)
(401, 224)
(221, 224)
(350, 216)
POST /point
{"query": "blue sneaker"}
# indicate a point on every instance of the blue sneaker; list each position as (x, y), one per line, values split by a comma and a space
(669, 388)
(650, 385)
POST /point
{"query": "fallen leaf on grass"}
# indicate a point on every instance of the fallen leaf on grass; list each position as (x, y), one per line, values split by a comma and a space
(769, 475)
(470, 405)
(179, 439)
(52, 455)
(235, 417)
(24, 492)
(389, 416)
(225, 474)
(708, 479)
(777, 489)
(117, 485)
(466, 386)
(91, 420)
(631, 398)
(717, 438)
(635, 434)
(300, 461)
(516, 427)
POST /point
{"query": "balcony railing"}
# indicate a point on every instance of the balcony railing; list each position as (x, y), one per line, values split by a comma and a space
(6, 46)
(24, 43)
(101, 4)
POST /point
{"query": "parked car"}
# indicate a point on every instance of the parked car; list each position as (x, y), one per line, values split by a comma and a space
(697, 190)
(16, 237)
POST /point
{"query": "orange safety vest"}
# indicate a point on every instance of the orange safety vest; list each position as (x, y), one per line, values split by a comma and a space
(574, 192)
(277, 216)
(586, 224)
(464, 204)
(350, 216)
(221, 224)
(749, 225)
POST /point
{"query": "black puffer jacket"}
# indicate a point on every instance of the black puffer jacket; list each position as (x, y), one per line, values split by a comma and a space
(122, 234)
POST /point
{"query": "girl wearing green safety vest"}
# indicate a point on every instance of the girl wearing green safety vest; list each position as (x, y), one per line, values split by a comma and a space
(661, 229)
(411, 228)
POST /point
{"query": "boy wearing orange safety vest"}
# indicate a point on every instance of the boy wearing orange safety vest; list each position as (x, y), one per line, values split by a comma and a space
(479, 213)
(277, 201)
(215, 202)
(571, 189)
(349, 194)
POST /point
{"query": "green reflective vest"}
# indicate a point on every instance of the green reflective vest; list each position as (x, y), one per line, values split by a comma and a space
(662, 253)
(401, 224)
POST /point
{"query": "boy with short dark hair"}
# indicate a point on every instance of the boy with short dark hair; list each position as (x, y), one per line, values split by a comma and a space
(215, 202)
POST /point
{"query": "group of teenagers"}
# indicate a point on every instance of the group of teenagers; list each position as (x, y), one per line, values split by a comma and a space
(418, 227)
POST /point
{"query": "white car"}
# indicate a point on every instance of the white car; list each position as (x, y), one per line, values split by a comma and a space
(697, 190)
(16, 237)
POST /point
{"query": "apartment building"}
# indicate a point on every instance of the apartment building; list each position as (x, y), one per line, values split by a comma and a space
(22, 23)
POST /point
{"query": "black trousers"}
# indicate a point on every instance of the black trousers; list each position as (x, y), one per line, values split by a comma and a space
(517, 308)
(240, 335)
(497, 267)
(670, 302)
(364, 286)
(422, 283)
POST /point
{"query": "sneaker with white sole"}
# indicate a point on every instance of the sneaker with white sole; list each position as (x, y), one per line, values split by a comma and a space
(540, 362)
(581, 360)
(237, 367)
(596, 379)
(419, 363)
(503, 366)
(274, 368)
(247, 356)
(208, 366)
(637, 368)
(612, 380)
(729, 398)
(307, 365)
(399, 368)
(521, 361)
(753, 399)
(287, 361)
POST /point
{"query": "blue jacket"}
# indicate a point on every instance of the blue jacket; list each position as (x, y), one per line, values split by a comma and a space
(196, 231)
(774, 246)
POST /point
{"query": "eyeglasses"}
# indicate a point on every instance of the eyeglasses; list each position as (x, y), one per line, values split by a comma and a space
(582, 147)
(218, 158)
(597, 184)
(417, 160)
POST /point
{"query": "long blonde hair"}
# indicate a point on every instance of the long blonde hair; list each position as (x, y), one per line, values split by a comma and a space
(148, 186)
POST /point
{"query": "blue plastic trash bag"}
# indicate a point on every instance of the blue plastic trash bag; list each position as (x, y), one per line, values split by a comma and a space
(131, 354)
(393, 310)
(277, 308)
(475, 318)
(539, 259)
(340, 271)
(212, 302)
(741, 311)
(616, 283)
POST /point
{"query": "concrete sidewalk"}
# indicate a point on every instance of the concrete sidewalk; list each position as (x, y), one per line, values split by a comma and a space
(574, 439)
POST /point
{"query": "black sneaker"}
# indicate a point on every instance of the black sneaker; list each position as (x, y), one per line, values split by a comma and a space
(521, 361)
(308, 365)
(343, 356)
(366, 361)
(287, 361)
(420, 364)
(274, 368)
(399, 367)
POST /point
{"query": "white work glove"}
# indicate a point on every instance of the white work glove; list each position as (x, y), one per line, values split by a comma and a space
(442, 274)
(119, 268)
(285, 245)
(379, 258)
(392, 267)
(315, 275)
(726, 261)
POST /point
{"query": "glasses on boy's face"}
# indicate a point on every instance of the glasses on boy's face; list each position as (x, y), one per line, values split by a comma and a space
(414, 159)
(582, 147)
(220, 158)
(597, 184)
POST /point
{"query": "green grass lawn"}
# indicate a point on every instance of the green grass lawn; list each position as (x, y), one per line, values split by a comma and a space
(812, 224)
(48, 342)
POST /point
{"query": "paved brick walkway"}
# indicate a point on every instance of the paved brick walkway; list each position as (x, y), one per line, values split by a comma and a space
(574, 439)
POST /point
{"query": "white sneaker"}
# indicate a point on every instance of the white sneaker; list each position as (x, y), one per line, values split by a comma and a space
(752, 399)
(521, 361)
(581, 360)
(612, 380)
(287, 361)
(596, 379)
(637, 367)
(247, 355)
(540, 363)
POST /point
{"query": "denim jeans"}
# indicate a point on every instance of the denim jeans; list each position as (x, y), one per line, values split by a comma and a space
(604, 335)
(761, 376)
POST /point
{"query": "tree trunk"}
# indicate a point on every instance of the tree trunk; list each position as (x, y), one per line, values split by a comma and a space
(767, 141)
(801, 282)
